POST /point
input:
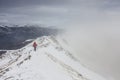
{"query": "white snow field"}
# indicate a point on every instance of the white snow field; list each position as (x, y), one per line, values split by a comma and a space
(50, 61)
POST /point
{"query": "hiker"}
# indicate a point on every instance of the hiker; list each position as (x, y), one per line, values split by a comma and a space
(34, 45)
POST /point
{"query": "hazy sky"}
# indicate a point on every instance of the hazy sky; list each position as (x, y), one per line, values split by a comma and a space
(94, 27)
(59, 12)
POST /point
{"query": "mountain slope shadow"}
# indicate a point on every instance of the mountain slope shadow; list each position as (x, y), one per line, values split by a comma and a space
(16, 37)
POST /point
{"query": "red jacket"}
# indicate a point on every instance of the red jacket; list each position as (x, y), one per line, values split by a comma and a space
(34, 44)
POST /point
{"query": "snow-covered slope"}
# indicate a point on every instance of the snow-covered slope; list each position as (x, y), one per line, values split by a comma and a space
(51, 61)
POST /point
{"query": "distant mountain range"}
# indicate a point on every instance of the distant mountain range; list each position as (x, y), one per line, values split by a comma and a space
(15, 36)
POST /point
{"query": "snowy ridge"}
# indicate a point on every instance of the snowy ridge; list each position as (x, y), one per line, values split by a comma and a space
(50, 62)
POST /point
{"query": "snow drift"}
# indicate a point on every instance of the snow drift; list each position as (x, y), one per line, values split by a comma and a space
(51, 61)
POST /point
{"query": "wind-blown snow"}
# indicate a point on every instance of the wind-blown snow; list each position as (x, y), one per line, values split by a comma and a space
(50, 62)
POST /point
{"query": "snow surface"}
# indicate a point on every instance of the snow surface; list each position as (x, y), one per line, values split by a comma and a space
(51, 61)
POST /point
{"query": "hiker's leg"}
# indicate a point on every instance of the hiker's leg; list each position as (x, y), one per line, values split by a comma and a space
(35, 48)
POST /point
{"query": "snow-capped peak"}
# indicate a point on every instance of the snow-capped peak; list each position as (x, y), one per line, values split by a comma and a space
(49, 62)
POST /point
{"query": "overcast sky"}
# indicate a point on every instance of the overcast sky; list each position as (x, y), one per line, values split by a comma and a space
(94, 24)
(59, 12)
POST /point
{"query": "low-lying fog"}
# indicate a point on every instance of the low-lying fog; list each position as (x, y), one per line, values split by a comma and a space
(98, 48)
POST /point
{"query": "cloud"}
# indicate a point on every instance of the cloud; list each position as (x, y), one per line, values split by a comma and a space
(58, 12)
(19, 3)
